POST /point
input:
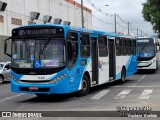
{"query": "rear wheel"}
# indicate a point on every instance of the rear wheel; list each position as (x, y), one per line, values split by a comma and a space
(123, 76)
(84, 86)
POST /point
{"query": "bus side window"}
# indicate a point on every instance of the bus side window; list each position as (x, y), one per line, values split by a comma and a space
(118, 48)
(123, 46)
(128, 47)
(85, 45)
(72, 48)
(134, 47)
(102, 41)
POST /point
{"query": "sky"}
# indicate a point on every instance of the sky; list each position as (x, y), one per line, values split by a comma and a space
(127, 10)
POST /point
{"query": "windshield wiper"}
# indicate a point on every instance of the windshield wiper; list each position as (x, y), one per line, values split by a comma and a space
(41, 51)
(143, 47)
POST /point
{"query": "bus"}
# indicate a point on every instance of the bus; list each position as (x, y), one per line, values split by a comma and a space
(59, 59)
(147, 54)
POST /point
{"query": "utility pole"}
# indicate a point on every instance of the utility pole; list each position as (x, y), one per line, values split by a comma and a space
(137, 31)
(82, 15)
(115, 23)
(128, 28)
(141, 33)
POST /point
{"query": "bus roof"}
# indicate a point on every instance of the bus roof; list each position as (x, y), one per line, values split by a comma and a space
(111, 34)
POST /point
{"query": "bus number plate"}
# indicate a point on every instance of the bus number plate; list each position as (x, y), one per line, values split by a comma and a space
(33, 88)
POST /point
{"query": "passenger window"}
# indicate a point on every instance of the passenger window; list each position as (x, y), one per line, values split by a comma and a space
(118, 48)
(72, 48)
(102, 42)
(85, 45)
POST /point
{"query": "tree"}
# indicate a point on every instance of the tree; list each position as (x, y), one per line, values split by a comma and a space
(151, 13)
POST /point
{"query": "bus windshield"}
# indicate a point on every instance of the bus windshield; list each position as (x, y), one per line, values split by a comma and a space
(146, 48)
(38, 53)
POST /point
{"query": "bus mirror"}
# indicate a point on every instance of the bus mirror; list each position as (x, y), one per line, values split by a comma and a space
(6, 47)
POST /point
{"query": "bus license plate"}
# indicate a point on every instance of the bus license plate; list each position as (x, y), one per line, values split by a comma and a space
(33, 88)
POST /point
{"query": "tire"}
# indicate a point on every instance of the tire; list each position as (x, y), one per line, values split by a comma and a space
(123, 76)
(84, 86)
(1, 80)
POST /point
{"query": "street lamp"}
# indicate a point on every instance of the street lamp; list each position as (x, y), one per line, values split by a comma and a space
(99, 9)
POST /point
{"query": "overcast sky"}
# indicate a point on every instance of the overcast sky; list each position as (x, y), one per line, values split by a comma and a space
(128, 10)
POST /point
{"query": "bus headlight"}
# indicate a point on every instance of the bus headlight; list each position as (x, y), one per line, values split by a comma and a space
(58, 78)
(15, 79)
(152, 61)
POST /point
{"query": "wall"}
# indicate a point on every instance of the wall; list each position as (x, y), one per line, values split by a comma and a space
(3, 57)
(67, 10)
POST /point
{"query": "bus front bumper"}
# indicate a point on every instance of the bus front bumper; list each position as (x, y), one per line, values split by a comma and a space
(39, 88)
(147, 65)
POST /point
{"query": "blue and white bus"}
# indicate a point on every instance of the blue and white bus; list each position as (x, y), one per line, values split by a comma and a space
(147, 53)
(57, 59)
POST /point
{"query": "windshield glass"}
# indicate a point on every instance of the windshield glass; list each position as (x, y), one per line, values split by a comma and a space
(146, 51)
(38, 53)
(146, 47)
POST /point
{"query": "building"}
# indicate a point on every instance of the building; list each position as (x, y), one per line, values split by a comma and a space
(17, 13)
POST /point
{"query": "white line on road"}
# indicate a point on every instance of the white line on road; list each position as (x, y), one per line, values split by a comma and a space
(123, 94)
(146, 94)
(100, 94)
(141, 78)
(11, 97)
(137, 86)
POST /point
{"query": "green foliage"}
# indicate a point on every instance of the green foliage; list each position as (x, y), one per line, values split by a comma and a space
(151, 13)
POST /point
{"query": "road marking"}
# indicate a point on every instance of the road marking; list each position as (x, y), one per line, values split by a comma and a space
(137, 86)
(11, 97)
(100, 94)
(146, 94)
(141, 78)
(123, 94)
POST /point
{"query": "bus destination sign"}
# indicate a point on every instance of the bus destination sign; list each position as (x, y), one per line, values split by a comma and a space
(31, 32)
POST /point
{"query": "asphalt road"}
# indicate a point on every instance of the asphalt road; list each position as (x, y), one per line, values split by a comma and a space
(140, 90)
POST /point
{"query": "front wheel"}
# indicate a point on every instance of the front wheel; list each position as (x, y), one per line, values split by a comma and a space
(84, 86)
(123, 76)
(1, 79)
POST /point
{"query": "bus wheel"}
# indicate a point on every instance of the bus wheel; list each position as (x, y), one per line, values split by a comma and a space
(123, 76)
(1, 79)
(84, 86)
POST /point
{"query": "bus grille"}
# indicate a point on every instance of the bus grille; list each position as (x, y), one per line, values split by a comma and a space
(35, 81)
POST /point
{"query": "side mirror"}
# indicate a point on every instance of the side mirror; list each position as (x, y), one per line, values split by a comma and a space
(6, 47)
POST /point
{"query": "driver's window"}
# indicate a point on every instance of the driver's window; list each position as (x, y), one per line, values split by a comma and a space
(72, 48)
